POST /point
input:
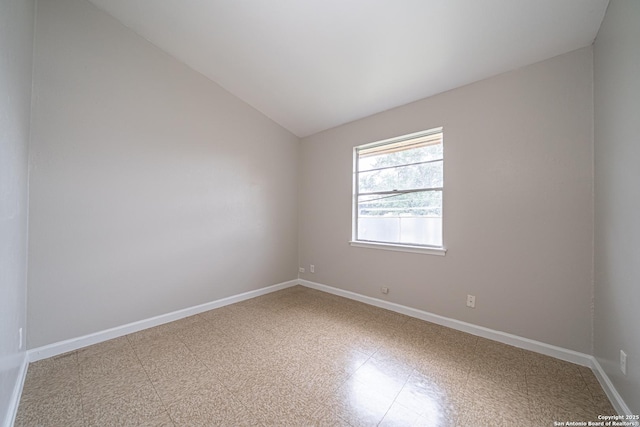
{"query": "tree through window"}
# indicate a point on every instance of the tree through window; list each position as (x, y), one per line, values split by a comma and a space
(398, 189)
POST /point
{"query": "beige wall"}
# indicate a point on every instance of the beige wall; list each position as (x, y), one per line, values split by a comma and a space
(152, 188)
(16, 48)
(617, 196)
(517, 205)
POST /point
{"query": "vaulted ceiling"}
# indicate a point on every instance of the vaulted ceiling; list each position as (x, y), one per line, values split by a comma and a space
(311, 65)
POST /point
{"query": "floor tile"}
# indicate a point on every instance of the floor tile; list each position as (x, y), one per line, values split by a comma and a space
(278, 403)
(106, 379)
(111, 346)
(340, 356)
(210, 410)
(203, 335)
(50, 409)
(63, 363)
(403, 353)
(318, 381)
(382, 377)
(419, 332)
(146, 347)
(141, 338)
(169, 361)
(57, 375)
(444, 358)
(106, 362)
(544, 414)
(488, 403)
(355, 403)
(225, 319)
(325, 416)
(400, 416)
(301, 357)
(503, 368)
(432, 398)
(248, 373)
(171, 389)
(140, 407)
(540, 365)
(562, 390)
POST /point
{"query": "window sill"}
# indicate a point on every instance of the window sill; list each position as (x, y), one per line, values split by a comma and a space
(400, 248)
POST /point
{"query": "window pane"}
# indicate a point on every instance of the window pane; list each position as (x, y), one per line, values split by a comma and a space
(414, 218)
(426, 175)
(418, 203)
(410, 230)
(398, 190)
(422, 154)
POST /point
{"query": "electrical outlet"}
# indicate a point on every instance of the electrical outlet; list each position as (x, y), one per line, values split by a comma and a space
(471, 301)
(301, 270)
(312, 268)
(384, 290)
(623, 362)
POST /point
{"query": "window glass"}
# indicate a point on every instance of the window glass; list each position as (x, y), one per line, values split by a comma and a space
(398, 190)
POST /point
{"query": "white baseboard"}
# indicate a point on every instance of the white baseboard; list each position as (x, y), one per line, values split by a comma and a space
(503, 337)
(481, 331)
(14, 401)
(613, 395)
(61, 347)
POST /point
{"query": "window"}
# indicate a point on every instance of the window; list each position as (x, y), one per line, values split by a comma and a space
(398, 186)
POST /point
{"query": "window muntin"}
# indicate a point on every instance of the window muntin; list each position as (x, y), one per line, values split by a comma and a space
(398, 187)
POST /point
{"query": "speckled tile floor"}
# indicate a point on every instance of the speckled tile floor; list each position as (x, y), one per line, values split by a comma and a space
(301, 357)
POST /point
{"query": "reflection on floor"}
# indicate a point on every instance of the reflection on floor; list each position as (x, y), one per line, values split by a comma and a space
(303, 357)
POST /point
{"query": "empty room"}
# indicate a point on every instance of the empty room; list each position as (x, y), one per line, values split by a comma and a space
(319, 213)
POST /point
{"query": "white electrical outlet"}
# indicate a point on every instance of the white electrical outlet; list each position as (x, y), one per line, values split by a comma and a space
(312, 268)
(384, 290)
(301, 269)
(623, 362)
(471, 301)
(20, 340)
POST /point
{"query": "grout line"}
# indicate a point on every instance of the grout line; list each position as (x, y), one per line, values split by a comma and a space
(155, 390)
(322, 331)
(82, 403)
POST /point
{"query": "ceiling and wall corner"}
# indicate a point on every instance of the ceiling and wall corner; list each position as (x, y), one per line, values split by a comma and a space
(311, 66)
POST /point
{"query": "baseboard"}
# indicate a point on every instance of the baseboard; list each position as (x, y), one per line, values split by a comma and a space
(14, 401)
(61, 347)
(613, 395)
(503, 337)
(506, 338)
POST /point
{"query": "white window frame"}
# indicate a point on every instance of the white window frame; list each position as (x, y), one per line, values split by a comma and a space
(402, 247)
